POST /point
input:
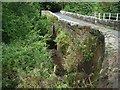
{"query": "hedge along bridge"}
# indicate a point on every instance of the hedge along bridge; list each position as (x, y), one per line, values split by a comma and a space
(109, 71)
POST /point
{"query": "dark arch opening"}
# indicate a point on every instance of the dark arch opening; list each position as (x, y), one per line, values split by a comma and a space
(52, 6)
(51, 44)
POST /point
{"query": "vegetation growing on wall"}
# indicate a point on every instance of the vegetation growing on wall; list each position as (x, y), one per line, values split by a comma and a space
(78, 56)
(26, 60)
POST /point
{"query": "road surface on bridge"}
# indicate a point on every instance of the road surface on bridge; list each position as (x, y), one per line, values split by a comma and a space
(84, 23)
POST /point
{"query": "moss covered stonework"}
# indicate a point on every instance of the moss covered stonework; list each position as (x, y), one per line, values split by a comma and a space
(81, 49)
(85, 47)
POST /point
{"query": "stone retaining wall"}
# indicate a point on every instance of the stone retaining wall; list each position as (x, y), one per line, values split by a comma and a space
(83, 47)
(109, 71)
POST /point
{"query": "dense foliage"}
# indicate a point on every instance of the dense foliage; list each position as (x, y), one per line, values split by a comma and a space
(79, 7)
(88, 8)
(52, 6)
(21, 18)
(26, 60)
(24, 46)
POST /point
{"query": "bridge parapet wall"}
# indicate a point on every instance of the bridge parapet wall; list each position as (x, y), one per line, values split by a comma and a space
(112, 23)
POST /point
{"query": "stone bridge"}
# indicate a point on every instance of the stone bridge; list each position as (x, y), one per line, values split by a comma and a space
(110, 65)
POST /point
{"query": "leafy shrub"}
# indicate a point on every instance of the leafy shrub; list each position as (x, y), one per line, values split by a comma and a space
(89, 8)
(109, 7)
(87, 50)
(25, 57)
(21, 18)
(79, 7)
(63, 41)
